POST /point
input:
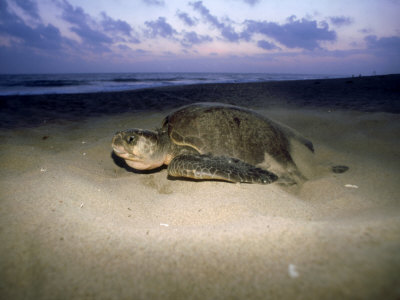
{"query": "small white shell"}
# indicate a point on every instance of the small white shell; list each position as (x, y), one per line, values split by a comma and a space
(351, 186)
(292, 271)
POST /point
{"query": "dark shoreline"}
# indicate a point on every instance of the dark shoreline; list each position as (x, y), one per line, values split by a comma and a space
(367, 94)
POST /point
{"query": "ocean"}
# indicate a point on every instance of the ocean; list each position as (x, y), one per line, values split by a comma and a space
(37, 84)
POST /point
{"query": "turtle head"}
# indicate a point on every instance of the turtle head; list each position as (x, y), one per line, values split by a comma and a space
(141, 149)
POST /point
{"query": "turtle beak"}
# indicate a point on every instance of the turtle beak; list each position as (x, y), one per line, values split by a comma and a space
(117, 138)
(117, 143)
(118, 151)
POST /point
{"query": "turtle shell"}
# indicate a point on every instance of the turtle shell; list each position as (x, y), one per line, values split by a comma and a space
(220, 129)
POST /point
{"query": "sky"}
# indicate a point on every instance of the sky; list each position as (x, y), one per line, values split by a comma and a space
(341, 37)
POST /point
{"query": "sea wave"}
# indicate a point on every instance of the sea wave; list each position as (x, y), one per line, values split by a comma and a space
(46, 83)
(110, 82)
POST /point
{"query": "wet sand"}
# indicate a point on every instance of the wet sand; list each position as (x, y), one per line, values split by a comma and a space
(369, 94)
(77, 224)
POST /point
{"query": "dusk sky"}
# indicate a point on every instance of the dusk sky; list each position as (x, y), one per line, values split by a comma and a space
(285, 36)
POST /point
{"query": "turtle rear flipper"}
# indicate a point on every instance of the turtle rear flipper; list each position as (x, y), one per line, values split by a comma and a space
(208, 167)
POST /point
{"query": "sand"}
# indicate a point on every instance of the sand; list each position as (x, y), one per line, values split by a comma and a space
(76, 224)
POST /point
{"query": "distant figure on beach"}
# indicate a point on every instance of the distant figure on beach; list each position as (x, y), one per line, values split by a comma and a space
(213, 141)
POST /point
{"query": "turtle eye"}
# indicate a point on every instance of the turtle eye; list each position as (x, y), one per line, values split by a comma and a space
(131, 139)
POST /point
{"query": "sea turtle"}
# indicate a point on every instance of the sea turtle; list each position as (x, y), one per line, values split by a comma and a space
(214, 141)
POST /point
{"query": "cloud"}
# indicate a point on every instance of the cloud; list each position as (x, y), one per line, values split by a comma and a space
(266, 45)
(229, 33)
(35, 46)
(39, 48)
(154, 2)
(205, 12)
(81, 26)
(226, 30)
(388, 45)
(117, 26)
(341, 21)
(192, 38)
(160, 27)
(3, 6)
(366, 30)
(252, 2)
(186, 19)
(100, 35)
(74, 15)
(19, 34)
(30, 7)
(305, 34)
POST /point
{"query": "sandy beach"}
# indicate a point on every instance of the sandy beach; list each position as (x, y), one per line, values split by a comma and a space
(75, 223)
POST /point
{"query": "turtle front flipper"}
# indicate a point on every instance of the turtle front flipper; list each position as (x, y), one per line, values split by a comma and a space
(208, 167)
